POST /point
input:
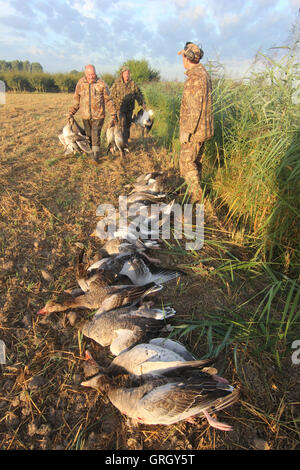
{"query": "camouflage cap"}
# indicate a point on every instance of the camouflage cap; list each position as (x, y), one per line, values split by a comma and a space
(193, 52)
(124, 69)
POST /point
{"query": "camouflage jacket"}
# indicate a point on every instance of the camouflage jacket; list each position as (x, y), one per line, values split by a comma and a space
(92, 99)
(125, 94)
(196, 114)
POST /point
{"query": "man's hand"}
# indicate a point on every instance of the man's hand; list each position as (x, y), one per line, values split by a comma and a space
(114, 119)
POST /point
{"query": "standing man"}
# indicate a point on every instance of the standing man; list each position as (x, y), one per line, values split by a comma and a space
(92, 97)
(124, 93)
(196, 118)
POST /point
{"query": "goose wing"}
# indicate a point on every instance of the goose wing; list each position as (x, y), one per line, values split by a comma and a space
(140, 271)
(123, 295)
(177, 400)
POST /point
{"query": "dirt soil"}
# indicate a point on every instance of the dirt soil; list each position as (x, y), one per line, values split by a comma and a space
(48, 205)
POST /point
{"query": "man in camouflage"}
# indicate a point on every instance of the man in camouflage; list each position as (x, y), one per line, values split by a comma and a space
(125, 92)
(196, 118)
(92, 97)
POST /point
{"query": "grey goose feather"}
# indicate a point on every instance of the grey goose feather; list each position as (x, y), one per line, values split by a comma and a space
(124, 327)
(136, 267)
(101, 296)
(169, 398)
(156, 357)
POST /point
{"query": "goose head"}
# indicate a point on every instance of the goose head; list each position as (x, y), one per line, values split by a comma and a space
(62, 303)
(100, 382)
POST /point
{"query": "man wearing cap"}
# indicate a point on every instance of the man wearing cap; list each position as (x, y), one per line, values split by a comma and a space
(125, 92)
(92, 97)
(196, 118)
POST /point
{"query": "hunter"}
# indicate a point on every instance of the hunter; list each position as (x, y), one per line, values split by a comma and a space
(196, 118)
(125, 92)
(92, 97)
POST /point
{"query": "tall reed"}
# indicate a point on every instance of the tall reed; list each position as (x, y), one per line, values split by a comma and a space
(165, 99)
(255, 156)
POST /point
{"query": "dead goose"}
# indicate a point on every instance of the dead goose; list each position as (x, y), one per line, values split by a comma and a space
(143, 222)
(148, 177)
(169, 398)
(145, 197)
(115, 140)
(156, 357)
(151, 182)
(136, 267)
(101, 296)
(124, 327)
(118, 246)
(144, 119)
(73, 138)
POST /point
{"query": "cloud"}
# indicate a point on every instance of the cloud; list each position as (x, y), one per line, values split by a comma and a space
(181, 3)
(294, 3)
(229, 19)
(192, 14)
(85, 8)
(67, 33)
(36, 51)
(16, 22)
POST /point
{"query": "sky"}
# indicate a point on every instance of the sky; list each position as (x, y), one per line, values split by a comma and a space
(63, 35)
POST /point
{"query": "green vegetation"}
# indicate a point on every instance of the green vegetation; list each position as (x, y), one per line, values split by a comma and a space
(256, 145)
(251, 177)
(40, 82)
(20, 66)
(165, 99)
(21, 76)
(141, 71)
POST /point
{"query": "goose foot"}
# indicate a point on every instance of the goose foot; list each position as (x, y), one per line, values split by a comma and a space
(217, 424)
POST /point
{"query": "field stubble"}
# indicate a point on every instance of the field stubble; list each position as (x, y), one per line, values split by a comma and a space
(48, 204)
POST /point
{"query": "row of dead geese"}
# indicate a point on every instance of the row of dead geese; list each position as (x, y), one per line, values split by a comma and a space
(153, 379)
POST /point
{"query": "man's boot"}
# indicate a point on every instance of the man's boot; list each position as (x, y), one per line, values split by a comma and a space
(96, 153)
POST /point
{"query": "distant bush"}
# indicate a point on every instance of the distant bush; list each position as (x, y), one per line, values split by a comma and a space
(141, 71)
(42, 82)
(66, 82)
(108, 78)
(20, 66)
(21, 76)
(18, 82)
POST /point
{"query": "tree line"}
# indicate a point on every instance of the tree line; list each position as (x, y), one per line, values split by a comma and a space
(20, 66)
(23, 76)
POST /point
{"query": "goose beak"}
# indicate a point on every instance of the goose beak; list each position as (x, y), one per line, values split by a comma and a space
(43, 311)
(88, 355)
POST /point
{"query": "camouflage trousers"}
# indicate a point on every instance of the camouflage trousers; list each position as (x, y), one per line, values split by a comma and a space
(125, 119)
(93, 131)
(190, 165)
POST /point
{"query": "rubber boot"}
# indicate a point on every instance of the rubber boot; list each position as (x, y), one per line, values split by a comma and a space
(96, 153)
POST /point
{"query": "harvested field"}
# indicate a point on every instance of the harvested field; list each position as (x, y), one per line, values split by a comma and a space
(48, 205)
